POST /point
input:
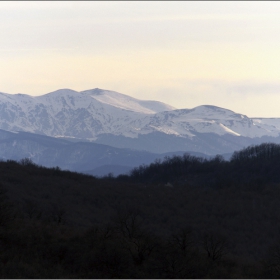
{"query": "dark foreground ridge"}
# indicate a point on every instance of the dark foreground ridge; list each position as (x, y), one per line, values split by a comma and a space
(182, 217)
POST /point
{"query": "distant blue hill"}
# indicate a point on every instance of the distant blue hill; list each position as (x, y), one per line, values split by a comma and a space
(91, 158)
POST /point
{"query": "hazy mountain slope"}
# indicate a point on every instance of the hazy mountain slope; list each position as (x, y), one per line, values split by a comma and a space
(50, 152)
(76, 156)
(207, 143)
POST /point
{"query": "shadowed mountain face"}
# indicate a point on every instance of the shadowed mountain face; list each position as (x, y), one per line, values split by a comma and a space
(115, 119)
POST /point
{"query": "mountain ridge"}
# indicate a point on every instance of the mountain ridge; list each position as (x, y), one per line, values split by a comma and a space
(102, 115)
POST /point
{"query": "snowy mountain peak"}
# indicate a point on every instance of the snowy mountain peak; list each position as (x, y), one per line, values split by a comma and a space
(210, 111)
(95, 91)
(126, 102)
(59, 92)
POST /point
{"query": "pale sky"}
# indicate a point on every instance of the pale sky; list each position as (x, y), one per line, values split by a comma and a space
(185, 53)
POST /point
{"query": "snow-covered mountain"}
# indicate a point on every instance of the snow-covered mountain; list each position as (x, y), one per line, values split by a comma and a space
(69, 113)
(118, 120)
(210, 119)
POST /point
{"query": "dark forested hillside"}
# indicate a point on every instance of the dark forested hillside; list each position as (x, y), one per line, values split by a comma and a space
(182, 217)
(254, 163)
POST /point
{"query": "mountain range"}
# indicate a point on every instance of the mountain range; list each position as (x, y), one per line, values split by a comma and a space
(74, 121)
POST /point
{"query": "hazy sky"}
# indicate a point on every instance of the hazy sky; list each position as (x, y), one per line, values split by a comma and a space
(183, 53)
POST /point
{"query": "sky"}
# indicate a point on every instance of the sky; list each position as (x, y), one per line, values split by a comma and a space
(185, 53)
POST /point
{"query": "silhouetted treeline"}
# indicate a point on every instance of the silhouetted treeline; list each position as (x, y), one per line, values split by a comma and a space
(253, 164)
(184, 217)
